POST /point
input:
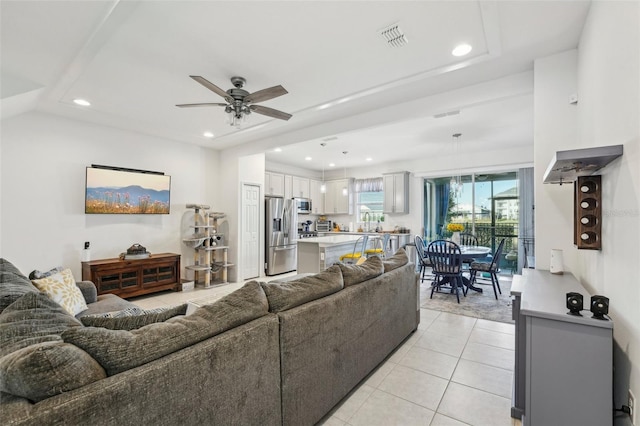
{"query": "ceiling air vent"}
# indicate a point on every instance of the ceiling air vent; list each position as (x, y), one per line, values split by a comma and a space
(394, 36)
(446, 114)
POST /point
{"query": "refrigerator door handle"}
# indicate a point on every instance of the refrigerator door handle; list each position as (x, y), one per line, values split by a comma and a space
(285, 248)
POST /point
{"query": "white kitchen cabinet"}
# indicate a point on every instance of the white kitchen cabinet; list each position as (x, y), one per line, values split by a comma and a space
(396, 193)
(288, 186)
(317, 196)
(300, 187)
(274, 184)
(335, 200)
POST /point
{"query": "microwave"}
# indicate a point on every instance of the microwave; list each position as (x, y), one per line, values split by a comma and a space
(303, 205)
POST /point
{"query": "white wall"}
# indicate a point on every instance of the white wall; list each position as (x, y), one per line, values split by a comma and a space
(555, 129)
(605, 74)
(43, 162)
(609, 114)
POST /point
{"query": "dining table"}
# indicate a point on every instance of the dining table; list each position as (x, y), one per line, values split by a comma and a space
(470, 252)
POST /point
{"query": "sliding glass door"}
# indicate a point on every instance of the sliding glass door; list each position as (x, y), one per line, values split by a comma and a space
(487, 205)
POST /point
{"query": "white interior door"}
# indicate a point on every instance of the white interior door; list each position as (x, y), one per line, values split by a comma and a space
(250, 231)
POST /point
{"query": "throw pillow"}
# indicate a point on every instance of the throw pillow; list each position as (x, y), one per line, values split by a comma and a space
(287, 295)
(399, 259)
(31, 319)
(46, 369)
(132, 318)
(121, 350)
(355, 274)
(62, 288)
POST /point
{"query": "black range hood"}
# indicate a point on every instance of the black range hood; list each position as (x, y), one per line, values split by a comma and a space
(566, 166)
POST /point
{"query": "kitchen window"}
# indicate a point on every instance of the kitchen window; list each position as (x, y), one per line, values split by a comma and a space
(370, 199)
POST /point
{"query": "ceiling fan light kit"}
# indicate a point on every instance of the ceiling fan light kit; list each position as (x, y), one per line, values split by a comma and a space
(239, 102)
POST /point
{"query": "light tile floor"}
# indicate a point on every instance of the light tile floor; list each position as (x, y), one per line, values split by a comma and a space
(454, 370)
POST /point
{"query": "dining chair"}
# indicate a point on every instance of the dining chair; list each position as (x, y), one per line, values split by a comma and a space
(446, 264)
(358, 250)
(423, 259)
(381, 247)
(468, 239)
(489, 267)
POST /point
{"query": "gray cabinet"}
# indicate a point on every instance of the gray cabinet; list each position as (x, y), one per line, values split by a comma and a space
(396, 193)
(564, 364)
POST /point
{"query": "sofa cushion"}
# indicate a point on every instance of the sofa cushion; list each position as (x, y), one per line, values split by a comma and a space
(355, 274)
(132, 318)
(45, 369)
(61, 288)
(31, 319)
(399, 259)
(120, 350)
(287, 295)
(13, 284)
(106, 303)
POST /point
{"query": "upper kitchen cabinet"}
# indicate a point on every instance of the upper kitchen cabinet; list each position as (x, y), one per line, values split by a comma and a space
(317, 196)
(274, 184)
(288, 186)
(396, 193)
(300, 187)
(335, 200)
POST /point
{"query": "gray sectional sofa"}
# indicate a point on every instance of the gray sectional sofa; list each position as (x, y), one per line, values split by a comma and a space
(279, 353)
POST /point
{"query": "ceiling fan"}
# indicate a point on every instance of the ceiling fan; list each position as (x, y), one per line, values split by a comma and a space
(239, 102)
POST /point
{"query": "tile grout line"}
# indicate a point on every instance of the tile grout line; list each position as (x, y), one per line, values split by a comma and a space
(450, 379)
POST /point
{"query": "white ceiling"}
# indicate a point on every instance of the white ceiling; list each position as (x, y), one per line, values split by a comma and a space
(132, 61)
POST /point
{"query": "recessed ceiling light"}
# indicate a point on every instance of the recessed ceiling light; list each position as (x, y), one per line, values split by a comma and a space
(81, 102)
(277, 149)
(332, 164)
(461, 50)
(369, 159)
(207, 134)
(308, 158)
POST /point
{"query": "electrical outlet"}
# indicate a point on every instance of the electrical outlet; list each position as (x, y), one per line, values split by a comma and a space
(632, 406)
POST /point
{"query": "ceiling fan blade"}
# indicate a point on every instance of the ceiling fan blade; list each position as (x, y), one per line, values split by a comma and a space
(200, 105)
(270, 112)
(266, 94)
(209, 85)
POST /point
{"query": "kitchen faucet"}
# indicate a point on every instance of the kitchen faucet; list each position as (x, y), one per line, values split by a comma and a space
(367, 218)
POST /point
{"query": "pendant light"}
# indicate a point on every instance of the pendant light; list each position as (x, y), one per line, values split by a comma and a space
(456, 181)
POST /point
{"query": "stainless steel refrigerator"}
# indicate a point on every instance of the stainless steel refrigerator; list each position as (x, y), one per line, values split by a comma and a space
(281, 226)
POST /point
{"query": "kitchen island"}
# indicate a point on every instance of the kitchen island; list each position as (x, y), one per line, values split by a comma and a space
(317, 253)
(398, 239)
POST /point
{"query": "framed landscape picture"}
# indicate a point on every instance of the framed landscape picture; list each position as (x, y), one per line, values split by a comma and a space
(122, 191)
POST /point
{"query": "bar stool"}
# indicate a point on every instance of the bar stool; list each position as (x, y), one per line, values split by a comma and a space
(356, 254)
(380, 248)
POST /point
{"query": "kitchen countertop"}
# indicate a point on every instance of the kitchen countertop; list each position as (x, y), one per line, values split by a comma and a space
(330, 240)
(366, 233)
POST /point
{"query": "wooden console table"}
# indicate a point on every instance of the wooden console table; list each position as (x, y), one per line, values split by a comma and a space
(129, 278)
